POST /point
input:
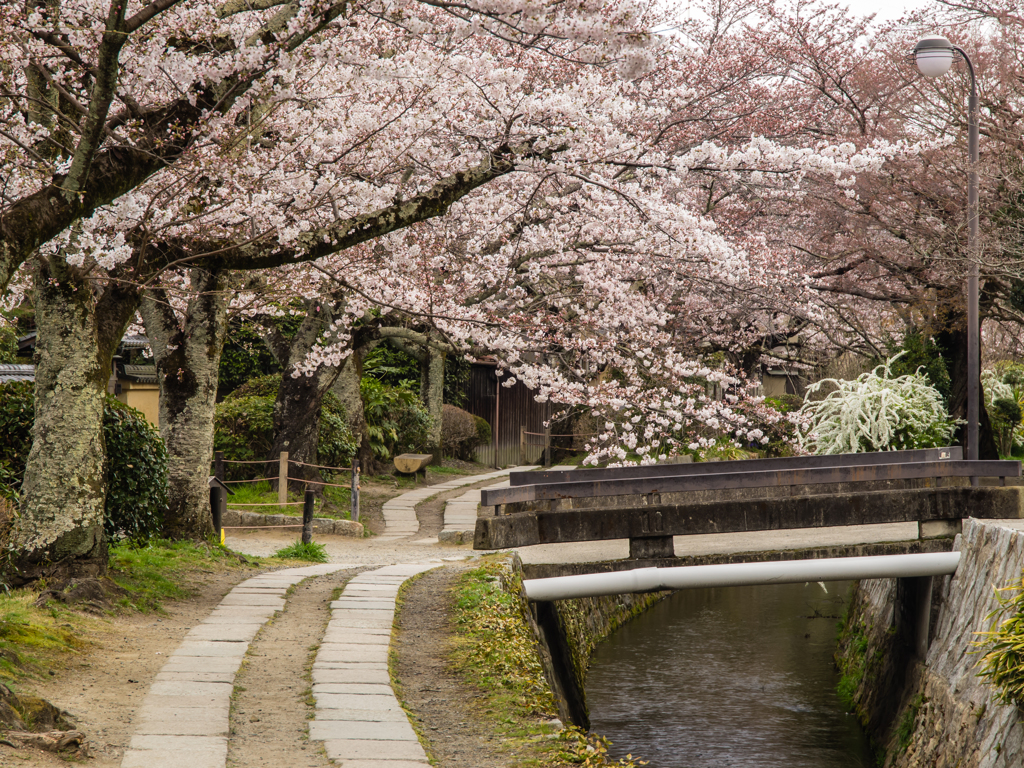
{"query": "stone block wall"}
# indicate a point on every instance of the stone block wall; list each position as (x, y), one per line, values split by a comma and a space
(938, 712)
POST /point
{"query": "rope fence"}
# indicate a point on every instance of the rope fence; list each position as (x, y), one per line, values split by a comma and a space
(283, 479)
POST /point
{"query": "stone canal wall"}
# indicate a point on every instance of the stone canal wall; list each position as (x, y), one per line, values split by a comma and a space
(935, 711)
(568, 632)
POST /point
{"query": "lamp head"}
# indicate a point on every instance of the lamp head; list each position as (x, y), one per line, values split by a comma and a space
(933, 55)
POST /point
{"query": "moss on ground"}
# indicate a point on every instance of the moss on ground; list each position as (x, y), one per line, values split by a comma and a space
(493, 650)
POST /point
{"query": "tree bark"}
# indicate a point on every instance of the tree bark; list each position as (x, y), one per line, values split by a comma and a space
(432, 395)
(187, 352)
(346, 389)
(60, 528)
(297, 408)
(953, 340)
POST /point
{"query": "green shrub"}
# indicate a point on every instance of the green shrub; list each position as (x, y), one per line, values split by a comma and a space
(136, 470)
(1002, 646)
(395, 418)
(244, 357)
(483, 431)
(458, 432)
(244, 428)
(17, 411)
(261, 386)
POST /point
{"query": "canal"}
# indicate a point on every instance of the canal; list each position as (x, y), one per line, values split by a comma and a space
(740, 677)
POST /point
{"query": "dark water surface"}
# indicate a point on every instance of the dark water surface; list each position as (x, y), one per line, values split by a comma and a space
(740, 676)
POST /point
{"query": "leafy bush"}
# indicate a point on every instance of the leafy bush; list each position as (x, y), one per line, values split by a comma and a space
(921, 353)
(244, 428)
(395, 418)
(1004, 395)
(1002, 647)
(17, 410)
(245, 356)
(483, 431)
(459, 433)
(136, 466)
(875, 412)
(136, 470)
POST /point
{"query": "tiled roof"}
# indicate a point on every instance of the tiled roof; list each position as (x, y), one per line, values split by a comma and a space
(16, 372)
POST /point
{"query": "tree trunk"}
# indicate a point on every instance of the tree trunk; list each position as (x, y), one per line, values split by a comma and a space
(60, 528)
(297, 408)
(432, 394)
(187, 353)
(953, 340)
(346, 389)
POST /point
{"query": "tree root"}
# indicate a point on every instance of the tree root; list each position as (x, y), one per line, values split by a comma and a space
(51, 741)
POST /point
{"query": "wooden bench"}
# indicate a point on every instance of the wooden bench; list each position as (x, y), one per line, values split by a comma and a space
(413, 463)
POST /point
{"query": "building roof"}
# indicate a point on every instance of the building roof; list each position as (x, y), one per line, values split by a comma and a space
(16, 372)
(143, 374)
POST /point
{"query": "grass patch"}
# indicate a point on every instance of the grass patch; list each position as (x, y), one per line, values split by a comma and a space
(494, 651)
(311, 552)
(158, 571)
(908, 723)
(336, 502)
(31, 637)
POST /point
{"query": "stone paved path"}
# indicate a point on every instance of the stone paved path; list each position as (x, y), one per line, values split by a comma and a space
(400, 513)
(183, 721)
(358, 717)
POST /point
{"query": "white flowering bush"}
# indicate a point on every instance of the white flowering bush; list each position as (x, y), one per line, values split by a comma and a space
(875, 412)
(1004, 401)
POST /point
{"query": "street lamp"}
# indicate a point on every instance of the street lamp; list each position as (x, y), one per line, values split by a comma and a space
(934, 56)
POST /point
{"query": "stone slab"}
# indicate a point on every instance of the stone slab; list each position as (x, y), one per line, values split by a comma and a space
(396, 715)
(365, 605)
(209, 648)
(350, 665)
(354, 701)
(348, 729)
(169, 758)
(180, 743)
(235, 633)
(187, 702)
(225, 664)
(363, 749)
(385, 763)
(354, 637)
(378, 688)
(378, 653)
(182, 722)
(355, 675)
(198, 677)
(191, 688)
(253, 600)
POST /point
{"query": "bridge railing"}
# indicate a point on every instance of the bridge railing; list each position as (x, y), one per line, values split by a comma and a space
(758, 479)
(952, 453)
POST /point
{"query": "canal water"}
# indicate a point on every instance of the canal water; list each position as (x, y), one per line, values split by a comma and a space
(740, 677)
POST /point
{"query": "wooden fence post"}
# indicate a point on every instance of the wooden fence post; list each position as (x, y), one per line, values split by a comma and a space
(547, 447)
(522, 446)
(218, 465)
(307, 516)
(355, 492)
(282, 478)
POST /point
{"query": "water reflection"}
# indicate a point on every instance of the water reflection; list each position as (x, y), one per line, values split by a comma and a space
(741, 676)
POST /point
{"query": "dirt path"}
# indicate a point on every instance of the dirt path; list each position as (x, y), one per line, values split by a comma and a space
(105, 684)
(446, 710)
(272, 703)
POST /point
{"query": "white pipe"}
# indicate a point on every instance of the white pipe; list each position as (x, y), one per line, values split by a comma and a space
(742, 574)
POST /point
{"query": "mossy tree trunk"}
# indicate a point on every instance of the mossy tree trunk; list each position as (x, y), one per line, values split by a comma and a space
(187, 348)
(60, 527)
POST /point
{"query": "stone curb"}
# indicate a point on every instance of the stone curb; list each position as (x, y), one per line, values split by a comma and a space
(184, 718)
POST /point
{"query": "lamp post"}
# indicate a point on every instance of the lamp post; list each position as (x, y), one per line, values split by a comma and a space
(934, 56)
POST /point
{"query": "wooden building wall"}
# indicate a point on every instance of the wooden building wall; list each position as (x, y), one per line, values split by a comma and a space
(515, 407)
